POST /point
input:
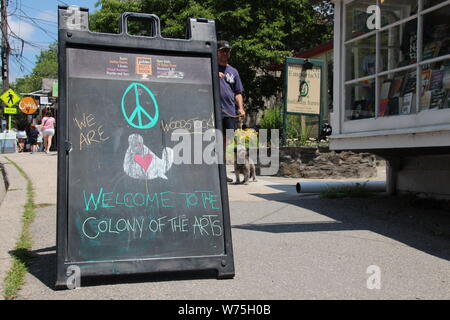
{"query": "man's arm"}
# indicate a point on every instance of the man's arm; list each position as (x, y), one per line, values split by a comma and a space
(240, 104)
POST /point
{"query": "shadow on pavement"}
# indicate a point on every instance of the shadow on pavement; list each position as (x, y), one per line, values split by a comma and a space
(41, 264)
(419, 223)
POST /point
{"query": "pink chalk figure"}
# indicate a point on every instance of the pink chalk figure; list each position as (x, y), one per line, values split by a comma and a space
(141, 163)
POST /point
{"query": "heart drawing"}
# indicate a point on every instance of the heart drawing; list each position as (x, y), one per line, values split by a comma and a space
(144, 162)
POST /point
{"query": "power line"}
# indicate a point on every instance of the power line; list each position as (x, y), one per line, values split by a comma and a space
(38, 11)
(22, 66)
(37, 19)
(14, 35)
(47, 32)
(15, 9)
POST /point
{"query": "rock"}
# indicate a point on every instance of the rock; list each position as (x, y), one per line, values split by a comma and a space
(302, 162)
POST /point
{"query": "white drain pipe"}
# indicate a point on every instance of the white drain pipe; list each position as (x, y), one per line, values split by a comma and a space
(317, 187)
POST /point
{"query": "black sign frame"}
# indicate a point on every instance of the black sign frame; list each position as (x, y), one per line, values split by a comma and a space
(201, 42)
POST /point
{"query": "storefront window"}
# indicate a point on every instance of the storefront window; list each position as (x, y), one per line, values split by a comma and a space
(388, 59)
(397, 93)
(436, 33)
(356, 18)
(435, 86)
(431, 3)
(361, 58)
(396, 10)
(398, 46)
(360, 100)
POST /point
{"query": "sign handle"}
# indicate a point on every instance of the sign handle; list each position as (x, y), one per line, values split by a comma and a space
(156, 25)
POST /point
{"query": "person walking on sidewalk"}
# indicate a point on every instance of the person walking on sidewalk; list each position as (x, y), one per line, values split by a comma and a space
(48, 129)
(231, 90)
(32, 137)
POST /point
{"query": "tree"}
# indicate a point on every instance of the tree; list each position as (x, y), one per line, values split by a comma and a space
(262, 33)
(46, 67)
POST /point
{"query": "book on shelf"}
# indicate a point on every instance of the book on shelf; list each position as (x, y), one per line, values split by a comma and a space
(446, 103)
(383, 110)
(431, 50)
(437, 77)
(385, 88)
(384, 98)
(446, 79)
(437, 98)
(425, 81)
(409, 83)
(393, 106)
(407, 102)
(425, 100)
(396, 87)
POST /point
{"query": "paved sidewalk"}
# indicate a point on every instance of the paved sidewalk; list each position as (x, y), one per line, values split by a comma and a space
(11, 210)
(286, 246)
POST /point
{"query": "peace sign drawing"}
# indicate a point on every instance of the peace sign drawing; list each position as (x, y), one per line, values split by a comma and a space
(139, 117)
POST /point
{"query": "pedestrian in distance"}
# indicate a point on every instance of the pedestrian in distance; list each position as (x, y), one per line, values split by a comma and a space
(21, 139)
(231, 90)
(32, 138)
(47, 128)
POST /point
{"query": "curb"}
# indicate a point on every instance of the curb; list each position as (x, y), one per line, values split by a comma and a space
(4, 182)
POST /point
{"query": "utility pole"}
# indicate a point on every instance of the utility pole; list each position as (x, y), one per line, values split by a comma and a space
(5, 49)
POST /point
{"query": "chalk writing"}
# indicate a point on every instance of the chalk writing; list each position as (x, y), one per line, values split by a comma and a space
(90, 131)
(199, 199)
(190, 124)
(207, 225)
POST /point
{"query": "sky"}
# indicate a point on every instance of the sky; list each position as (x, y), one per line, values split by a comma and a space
(36, 22)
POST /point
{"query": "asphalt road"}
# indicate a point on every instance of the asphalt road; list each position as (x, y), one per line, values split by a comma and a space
(286, 246)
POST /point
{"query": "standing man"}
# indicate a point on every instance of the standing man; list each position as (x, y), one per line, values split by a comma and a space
(231, 90)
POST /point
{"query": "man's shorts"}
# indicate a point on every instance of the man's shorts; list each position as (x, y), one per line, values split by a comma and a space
(229, 123)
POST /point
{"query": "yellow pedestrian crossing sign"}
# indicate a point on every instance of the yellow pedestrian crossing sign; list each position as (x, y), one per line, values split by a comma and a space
(10, 98)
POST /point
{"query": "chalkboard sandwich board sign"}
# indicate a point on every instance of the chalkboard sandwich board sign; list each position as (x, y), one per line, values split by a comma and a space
(124, 205)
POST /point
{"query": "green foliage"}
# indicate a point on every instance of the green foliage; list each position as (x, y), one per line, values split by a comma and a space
(46, 67)
(106, 19)
(21, 255)
(356, 191)
(273, 119)
(262, 33)
(47, 63)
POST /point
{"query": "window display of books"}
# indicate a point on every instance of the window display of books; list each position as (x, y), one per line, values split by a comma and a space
(435, 90)
(398, 95)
